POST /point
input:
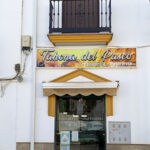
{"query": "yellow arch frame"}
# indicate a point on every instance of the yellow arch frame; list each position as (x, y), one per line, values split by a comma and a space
(74, 74)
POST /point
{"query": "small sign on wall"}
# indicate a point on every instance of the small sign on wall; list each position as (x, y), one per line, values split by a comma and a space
(87, 58)
(119, 132)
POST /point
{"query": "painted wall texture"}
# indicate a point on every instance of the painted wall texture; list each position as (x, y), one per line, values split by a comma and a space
(130, 26)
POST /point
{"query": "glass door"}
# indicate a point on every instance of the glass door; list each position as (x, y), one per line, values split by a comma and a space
(80, 123)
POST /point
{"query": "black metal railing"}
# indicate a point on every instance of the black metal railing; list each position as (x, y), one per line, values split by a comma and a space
(80, 16)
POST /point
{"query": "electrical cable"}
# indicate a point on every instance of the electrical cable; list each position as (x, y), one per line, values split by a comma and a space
(18, 77)
(9, 79)
(3, 88)
(24, 65)
(19, 73)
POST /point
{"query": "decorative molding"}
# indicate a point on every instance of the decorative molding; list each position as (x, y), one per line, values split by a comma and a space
(80, 85)
(80, 72)
(80, 38)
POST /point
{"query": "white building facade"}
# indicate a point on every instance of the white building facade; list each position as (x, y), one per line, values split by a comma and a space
(24, 120)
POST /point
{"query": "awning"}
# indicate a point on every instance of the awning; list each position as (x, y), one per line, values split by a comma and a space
(83, 88)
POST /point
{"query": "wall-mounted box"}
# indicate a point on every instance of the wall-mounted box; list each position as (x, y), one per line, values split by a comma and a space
(26, 41)
(119, 132)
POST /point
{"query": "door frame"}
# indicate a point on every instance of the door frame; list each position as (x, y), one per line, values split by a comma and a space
(105, 122)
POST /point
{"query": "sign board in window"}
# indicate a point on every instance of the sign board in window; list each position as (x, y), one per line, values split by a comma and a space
(65, 140)
(75, 136)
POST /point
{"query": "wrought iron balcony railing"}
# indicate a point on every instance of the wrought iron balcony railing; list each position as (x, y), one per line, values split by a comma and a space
(80, 16)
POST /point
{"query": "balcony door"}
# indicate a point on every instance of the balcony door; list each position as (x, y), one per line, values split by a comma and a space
(80, 14)
(80, 123)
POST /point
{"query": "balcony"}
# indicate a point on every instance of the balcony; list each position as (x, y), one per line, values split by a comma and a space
(80, 21)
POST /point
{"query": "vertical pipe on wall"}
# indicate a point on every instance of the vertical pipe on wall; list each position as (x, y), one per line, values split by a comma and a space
(33, 102)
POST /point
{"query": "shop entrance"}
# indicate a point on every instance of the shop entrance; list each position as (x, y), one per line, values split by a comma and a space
(80, 123)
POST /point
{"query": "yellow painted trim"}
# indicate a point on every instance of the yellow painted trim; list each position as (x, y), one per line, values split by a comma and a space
(80, 72)
(80, 38)
(109, 105)
(74, 74)
(51, 106)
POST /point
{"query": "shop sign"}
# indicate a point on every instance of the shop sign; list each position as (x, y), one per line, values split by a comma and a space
(92, 57)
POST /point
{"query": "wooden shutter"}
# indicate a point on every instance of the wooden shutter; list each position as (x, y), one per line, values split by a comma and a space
(80, 14)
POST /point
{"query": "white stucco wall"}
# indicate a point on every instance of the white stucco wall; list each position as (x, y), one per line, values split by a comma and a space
(130, 25)
(10, 31)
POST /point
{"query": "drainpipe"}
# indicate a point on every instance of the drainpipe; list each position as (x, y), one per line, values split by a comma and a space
(33, 102)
